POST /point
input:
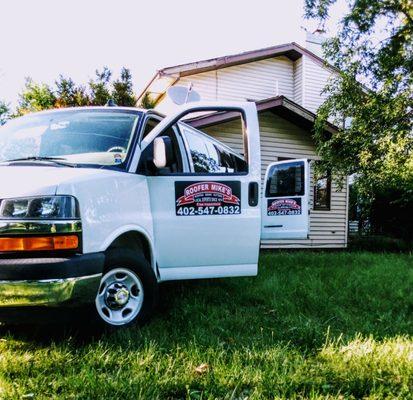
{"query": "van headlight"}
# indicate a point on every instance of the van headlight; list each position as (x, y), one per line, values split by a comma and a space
(44, 207)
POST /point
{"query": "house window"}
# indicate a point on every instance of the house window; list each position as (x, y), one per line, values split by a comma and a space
(322, 192)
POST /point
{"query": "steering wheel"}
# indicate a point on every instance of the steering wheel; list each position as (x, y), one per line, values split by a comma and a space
(116, 149)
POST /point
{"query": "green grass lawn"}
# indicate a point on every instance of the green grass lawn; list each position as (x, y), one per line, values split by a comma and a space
(311, 325)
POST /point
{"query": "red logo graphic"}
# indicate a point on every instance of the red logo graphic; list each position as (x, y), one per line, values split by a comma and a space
(207, 193)
(284, 204)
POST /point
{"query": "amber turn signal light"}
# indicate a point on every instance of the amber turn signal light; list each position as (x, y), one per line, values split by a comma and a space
(39, 243)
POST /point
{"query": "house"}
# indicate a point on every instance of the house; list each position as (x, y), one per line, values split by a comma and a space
(286, 83)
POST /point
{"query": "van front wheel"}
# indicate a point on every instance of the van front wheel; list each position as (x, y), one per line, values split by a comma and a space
(127, 291)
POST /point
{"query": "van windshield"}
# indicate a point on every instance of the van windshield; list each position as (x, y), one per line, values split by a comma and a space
(98, 137)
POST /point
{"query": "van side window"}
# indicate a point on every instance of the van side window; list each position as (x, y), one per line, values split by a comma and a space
(209, 156)
(285, 180)
(203, 162)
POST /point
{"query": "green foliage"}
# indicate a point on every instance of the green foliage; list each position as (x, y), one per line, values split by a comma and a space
(122, 92)
(146, 102)
(379, 244)
(391, 213)
(68, 94)
(310, 326)
(385, 210)
(99, 87)
(4, 112)
(376, 142)
(35, 97)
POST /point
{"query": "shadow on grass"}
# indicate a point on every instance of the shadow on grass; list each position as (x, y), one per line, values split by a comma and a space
(311, 325)
(44, 327)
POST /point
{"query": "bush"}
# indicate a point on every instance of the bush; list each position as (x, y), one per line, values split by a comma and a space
(380, 244)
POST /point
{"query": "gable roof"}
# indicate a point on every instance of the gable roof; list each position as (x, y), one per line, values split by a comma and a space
(292, 50)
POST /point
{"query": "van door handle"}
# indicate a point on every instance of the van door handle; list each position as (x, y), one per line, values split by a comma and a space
(253, 194)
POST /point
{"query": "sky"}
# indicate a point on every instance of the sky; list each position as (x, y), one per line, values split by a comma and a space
(44, 38)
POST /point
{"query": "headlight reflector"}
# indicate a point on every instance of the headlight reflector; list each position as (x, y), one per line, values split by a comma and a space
(46, 207)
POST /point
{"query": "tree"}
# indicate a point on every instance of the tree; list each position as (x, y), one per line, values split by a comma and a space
(68, 94)
(4, 112)
(146, 102)
(373, 93)
(35, 97)
(122, 92)
(378, 142)
(99, 90)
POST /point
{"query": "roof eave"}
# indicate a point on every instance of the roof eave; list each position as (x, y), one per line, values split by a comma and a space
(291, 50)
(280, 105)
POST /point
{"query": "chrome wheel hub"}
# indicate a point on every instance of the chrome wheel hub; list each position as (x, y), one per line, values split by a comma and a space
(116, 295)
(120, 296)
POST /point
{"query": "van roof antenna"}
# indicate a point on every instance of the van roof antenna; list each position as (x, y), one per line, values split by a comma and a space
(111, 103)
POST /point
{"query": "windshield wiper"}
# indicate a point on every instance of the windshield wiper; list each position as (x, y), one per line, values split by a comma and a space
(55, 160)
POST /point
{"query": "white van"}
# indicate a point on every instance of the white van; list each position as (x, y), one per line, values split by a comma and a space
(100, 204)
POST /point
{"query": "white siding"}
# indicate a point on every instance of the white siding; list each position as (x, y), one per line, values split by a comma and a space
(298, 81)
(315, 80)
(251, 81)
(204, 83)
(281, 138)
(301, 81)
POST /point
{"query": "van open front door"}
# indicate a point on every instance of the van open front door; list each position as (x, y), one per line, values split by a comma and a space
(206, 216)
(284, 208)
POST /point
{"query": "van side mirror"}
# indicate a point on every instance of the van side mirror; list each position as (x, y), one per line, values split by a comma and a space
(162, 152)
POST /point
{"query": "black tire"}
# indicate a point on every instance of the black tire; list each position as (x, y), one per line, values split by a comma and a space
(136, 263)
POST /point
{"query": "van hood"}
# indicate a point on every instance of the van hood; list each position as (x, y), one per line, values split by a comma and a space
(21, 181)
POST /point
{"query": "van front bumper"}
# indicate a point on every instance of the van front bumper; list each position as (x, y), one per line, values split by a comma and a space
(69, 281)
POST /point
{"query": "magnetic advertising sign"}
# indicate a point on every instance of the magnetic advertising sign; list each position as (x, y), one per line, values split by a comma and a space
(290, 206)
(207, 198)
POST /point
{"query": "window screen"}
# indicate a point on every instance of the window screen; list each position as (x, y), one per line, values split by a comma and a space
(286, 180)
